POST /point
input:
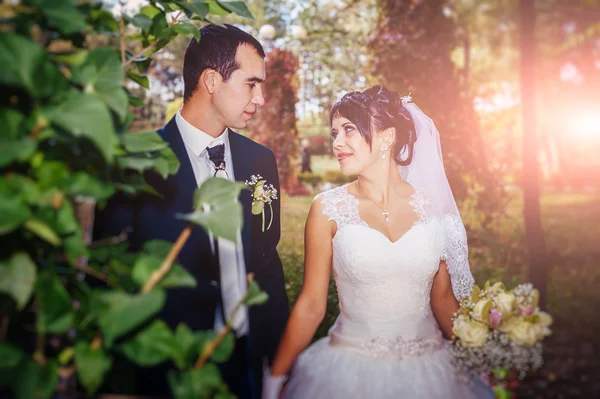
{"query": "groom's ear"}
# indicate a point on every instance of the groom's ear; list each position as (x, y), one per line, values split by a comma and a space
(210, 79)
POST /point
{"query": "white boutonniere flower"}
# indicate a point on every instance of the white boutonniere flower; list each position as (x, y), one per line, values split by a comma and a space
(262, 194)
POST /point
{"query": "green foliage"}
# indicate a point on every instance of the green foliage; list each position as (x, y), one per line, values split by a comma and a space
(66, 146)
(311, 179)
(337, 177)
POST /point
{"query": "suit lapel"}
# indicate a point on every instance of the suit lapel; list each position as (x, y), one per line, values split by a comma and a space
(242, 168)
(184, 180)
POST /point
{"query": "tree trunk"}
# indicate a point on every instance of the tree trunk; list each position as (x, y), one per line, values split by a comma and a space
(538, 261)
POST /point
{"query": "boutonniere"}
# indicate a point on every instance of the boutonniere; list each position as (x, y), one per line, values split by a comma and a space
(262, 194)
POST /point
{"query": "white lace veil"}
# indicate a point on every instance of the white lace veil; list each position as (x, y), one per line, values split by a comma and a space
(426, 172)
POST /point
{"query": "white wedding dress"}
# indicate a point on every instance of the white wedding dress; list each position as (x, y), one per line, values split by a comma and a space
(385, 342)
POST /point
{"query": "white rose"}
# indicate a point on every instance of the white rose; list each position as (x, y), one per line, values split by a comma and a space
(522, 332)
(505, 303)
(470, 332)
(481, 310)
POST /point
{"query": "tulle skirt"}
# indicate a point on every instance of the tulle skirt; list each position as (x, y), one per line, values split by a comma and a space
(323, 371)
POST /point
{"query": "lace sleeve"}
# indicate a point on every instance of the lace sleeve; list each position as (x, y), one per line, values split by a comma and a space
(455, 252)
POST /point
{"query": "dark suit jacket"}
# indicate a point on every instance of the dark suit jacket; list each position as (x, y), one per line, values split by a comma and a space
(154, 218)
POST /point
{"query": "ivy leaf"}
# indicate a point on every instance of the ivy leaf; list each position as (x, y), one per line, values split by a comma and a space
(188, 345)
(55, 312)
(143, 141)
(85, 115)
(33, 380)
(237, 7)
(223, 221)
(91, 365)
(176, 277)
(17, 278)
(195, 383)
(152, 346)
(121, 312)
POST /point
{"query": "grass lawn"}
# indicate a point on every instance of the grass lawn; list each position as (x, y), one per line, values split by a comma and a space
(572, 227)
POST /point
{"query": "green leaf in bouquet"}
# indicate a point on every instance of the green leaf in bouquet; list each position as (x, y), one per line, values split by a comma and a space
(120, 312)
(176, 277)
(151, 346)
(85, 185)
(16, 150)
(23, 63)
(225, 349)
(475, 293)
(14, 211)
(61, 14)
(196, 383)
(148, 141)
(187, 29)
(237, 7)
(85, 115)
(33, 380)
(10, 355)
(254, 295)
(55, 312)
(91, 364)
(17, 278)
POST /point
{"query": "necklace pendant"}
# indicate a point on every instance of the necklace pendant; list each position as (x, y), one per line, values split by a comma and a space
(386, 215)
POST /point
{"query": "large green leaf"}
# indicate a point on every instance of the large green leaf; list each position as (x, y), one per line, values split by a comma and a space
(51, 174)
(17, 278)
(153, 345)
(254, 295)
(197, 7)
(217, 191)
(188, 347)
(223, 220)
(23, 63)
(141, 21)
(10, 355)
(86, 185)
(86, 115)
(102, 74)
(122, 312)
(13, 122)
(224, 350)
(34, 381)
(187, 29)
(176, 277)
(55, 312)
(61, 14)
(143, 141)
(237, 7)
(91, 365)
(135, 163)
(139, 79)
(19, 185)
(16, 150)
(195, 383)
(14, 211)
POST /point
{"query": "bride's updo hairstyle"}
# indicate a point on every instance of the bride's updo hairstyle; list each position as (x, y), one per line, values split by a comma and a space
(376, 109)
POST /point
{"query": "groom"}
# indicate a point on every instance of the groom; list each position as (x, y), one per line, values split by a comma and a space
(223, 76)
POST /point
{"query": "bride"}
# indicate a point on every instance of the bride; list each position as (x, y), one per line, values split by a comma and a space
(398, 250)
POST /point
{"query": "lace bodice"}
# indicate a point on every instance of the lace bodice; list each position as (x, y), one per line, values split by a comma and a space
(383, 286)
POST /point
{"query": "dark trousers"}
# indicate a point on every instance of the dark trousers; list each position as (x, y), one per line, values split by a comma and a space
(237, 371)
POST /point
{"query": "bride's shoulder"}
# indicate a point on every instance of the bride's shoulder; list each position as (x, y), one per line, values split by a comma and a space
(333, 194)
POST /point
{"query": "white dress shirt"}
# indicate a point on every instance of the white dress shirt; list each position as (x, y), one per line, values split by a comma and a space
(231, 255)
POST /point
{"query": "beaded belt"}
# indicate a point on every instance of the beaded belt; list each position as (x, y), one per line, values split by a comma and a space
(382, 348)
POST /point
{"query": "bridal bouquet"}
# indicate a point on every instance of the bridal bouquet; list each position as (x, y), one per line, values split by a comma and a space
(498, 331)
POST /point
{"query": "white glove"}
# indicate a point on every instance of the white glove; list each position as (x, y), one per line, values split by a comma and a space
(272, 385)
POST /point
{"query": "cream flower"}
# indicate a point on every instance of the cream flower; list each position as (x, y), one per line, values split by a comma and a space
(481, 311)
(521, 332)
(470, 332)
(505, 303)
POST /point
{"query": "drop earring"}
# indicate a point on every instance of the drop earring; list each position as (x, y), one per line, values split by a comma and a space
(383, 150)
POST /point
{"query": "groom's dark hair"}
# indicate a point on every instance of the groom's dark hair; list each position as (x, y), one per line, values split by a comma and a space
(216, 50)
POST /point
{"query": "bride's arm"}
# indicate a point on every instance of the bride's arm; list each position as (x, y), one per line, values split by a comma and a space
(309, 309)
(443, 302)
